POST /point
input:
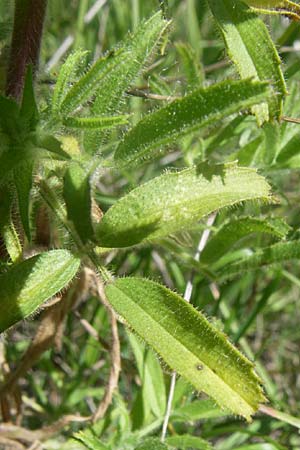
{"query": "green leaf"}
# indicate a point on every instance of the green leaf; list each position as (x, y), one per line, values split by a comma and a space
(186, 441)
(198, 410)
(28, 284)
(277, 253)
(152, 444)
(29, 111)
(89, 440)
(95, 123)
(182, 116)
(52, 145)
(153, 386)
(192, 69)
(175, 201)
(110, 76)
(284, 7)
(65, 79)
(188, 343)
(7, 228)
(23, 182)
(230, 233)
(9, 115)
(77, 194)
(250, 47)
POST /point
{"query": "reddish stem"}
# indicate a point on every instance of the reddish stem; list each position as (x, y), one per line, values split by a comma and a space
(25, 46)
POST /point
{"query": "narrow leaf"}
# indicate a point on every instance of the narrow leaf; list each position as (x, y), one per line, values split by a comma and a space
(230, 233)
(65, 78)
(175, 201)
(7, 229)
(23, 182)
(111, 75)
(152, 444)
(188, 343)
(77, 194)
(277, 253)
(182, 116)
(187, 441)
(95, 123)
(28, 284)
(29, 111)
(250, 47)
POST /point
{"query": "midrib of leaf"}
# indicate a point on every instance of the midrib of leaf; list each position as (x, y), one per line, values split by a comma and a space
(181, 355)
(182, 116)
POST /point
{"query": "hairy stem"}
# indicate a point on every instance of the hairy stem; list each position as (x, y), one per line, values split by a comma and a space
(25, 46)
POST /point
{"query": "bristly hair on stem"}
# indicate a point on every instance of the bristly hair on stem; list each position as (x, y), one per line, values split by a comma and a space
(25, 45)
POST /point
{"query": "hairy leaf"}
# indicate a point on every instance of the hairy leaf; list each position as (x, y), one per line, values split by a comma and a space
(175, 201)
(182, 116)
(186, 441)
(230, 233)
(188, 343)
(95, 123)
(277, 253)
(242, 30)
(23, 181)
(152, 444)
(7, 228)
(110, 76)
(28, 284)
(64, 80)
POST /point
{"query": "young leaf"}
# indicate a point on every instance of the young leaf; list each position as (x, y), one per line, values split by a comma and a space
(277, 253)
(110, 76)
(95, 123)
(23, 182)
(230, 233)
(242, 30)
(176, 201)
(182, 116)
(77, 194)
(28, 284)
(285, 7)
(188, 343)
(64, 80)
(152, 444)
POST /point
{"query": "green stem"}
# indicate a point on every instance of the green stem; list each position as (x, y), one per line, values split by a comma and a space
(54, 203)
(25, 46)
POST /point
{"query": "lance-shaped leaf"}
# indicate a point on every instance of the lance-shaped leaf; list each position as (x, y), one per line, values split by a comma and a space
(175, 201)
(230, 233)
(95, 123)
(182, 116)
(152, 444)
(188, 343)
(77, 194)
(65, 78)
(187, 441)
(285, 7)
(28, 284)
(23, 182)
(110, 76)
(277, 253)
(250, 47)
